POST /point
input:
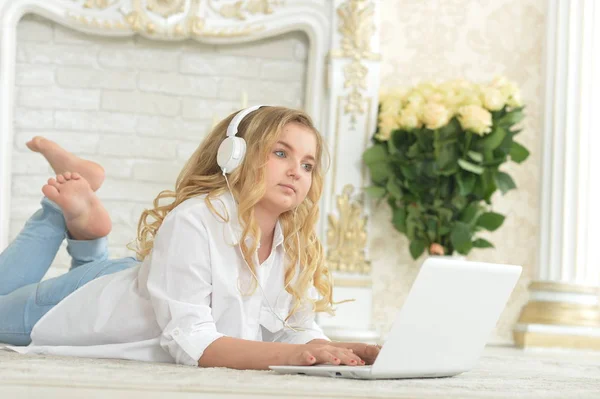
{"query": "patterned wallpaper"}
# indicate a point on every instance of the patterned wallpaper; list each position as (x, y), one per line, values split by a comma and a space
(475, 40)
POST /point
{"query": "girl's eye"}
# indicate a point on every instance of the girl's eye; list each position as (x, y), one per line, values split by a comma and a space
(308, 167)
(280, 154)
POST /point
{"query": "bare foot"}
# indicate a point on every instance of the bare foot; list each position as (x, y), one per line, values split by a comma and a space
(85, 216)
(62, 161)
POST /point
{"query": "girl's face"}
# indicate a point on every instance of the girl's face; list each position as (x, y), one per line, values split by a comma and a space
(289, 169)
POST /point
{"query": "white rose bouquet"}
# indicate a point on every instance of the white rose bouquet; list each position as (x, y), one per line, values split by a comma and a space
(436, 156)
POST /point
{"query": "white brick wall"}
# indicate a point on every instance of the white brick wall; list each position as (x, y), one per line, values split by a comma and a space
(138, 107)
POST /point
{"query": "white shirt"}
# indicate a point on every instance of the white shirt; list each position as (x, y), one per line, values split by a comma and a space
(185, 295)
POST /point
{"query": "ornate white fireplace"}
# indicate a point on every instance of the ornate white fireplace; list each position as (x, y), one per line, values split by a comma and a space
(135, 84)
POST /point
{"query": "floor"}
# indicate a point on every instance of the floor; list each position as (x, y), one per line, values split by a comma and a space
(502, 372)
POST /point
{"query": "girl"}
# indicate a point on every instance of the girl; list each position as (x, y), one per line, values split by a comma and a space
(230, 271)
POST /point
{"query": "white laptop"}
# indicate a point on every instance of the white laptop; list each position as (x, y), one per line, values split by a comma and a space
(443, 326)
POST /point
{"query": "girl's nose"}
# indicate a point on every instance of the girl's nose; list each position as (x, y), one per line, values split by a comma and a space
(294, 170)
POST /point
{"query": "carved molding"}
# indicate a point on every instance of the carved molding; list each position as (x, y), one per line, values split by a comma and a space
(166, 8)
(99, 4)
(357, 27)
(240, 9)
(347, 236)
(176, 19)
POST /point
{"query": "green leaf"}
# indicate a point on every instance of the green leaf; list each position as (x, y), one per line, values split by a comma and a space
(399, 219)
(504, 182)
(461, 238)
(446, 155)
(375, 154)
(394, 188)
(481, 243)
(414, 150)
(494, 139)
(470, 214)
(518, 153)
(459, 202)
(449, 131)
(417, 247)
(466, 182)
(475, 156)
(408, 172)
(380, 172)
(490, 221)
(445, 214)
(489, 184)
(512, 117)
(375, 192)
(468, 166)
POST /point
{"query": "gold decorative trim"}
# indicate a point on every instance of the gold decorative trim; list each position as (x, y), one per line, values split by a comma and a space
(98, 4)
(239, 9)
(563, 287)
(166, 8)
(352, 283)
(357, 28)
(347, 236)
(192, 24)
(560, 313)
(527, 339)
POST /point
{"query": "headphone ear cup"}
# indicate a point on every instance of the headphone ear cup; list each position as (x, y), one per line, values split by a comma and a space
(231, 153)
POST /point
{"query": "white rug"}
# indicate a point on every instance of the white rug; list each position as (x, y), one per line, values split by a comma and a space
(501, 373)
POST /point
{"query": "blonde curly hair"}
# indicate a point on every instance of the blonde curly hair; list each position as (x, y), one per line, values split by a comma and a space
(202, 175)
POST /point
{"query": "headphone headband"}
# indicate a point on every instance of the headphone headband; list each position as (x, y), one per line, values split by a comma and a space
(232, 129)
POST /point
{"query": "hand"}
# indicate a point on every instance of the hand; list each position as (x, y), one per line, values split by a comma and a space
(368, 353)
(322, 353)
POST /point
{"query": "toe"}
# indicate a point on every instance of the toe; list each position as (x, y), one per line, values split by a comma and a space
(75, 176)
(51, 192)
(60, 178)
(53, 182)
(67, 175)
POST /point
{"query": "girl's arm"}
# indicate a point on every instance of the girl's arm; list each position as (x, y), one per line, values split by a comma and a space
(238, 353)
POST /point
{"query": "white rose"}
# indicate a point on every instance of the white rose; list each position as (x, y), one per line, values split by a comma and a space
(515, 100)
(509, 90)
(493, 99)
(409, 118)
(475, 119)
(435, 97)
(435, 115)
(415, 98)
(391, 105)
(387, 123)
(471, 98)
(426, 89)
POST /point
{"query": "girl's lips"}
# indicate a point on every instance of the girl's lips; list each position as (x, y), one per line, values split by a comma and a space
(288, 187)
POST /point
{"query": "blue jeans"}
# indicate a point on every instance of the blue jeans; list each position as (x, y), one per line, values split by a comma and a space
(23, 298)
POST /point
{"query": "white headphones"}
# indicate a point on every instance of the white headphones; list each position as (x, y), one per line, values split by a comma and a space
(232, 149)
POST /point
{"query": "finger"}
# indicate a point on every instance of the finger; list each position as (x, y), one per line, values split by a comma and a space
(371, 353)
(307, 359)
(348, 357)
(325, 356)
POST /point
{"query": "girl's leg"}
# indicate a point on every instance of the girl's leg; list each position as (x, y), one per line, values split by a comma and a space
(21, 309)
(27, 259)
(29, 256)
